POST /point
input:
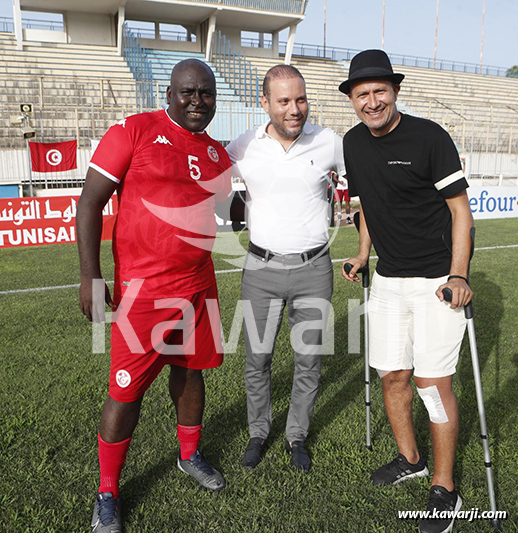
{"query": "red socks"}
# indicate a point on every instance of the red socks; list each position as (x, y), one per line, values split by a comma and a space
(112, 456)
(189, 437)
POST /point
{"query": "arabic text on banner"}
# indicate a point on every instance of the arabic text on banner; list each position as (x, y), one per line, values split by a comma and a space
(37, 221)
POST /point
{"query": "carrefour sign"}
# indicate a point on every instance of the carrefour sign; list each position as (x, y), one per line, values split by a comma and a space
(493, 202)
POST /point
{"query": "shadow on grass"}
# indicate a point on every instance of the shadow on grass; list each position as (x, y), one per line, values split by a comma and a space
(140, 484)
(229, 421)
(338, 369)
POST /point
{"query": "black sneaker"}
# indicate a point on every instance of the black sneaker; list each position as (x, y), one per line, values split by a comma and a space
(107, 514)
(442, 508)
(299, 456)
(399, 470)
(198, 467)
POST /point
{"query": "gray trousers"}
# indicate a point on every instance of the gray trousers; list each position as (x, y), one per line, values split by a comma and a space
(266, 289)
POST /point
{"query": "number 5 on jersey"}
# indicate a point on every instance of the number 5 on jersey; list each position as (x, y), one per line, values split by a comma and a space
(195, 169)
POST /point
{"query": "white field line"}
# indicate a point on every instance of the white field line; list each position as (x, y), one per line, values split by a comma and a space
(231, 271)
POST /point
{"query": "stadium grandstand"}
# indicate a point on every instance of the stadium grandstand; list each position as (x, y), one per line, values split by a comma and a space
(93, 64)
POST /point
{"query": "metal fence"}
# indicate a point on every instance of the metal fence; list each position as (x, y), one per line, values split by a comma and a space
(86, 124)
(279, 6)
(301, 49)
(346, 54)
(140, 67)
(66, 91)
(488, 145)
(7, 24)
(236, 69)
(165, 35)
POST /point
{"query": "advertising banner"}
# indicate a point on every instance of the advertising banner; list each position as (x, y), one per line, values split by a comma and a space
(493, 202)
(36, 221)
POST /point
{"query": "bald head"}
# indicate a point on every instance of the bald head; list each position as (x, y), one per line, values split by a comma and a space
(191, 64)
(192, 95)
(279, 72)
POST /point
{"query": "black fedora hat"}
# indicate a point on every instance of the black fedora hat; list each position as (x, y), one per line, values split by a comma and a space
(370, 64)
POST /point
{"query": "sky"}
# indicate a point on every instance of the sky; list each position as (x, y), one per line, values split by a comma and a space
(410, 27)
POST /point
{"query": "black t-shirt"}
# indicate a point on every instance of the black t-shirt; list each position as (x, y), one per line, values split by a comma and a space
(402, 179)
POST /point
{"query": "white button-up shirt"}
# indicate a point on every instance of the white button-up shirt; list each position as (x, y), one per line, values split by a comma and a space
(286, 190)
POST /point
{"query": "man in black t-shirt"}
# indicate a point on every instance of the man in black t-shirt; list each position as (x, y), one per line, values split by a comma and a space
(415, 211)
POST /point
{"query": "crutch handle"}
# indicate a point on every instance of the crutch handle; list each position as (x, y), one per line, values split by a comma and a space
(364, 271)
(468, 309)
(448, 295)
(348, 267)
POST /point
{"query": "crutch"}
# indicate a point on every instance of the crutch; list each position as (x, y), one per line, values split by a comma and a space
(365, 284)
(468, 312)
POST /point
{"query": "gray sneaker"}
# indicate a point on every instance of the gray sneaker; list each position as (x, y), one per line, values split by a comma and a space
(197, 467)
(107, 514)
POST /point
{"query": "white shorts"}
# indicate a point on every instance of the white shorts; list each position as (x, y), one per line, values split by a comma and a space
(410, 328)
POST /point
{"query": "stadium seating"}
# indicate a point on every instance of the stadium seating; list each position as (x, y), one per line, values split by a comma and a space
(80, 90)
(73, 68)
(479, 112)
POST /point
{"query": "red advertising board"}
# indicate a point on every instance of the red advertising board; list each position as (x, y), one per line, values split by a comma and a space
(38, 221)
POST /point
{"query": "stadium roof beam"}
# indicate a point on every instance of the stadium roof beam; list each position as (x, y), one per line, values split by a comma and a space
(262, 16)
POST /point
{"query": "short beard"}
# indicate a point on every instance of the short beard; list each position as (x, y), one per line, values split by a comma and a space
(285, 134)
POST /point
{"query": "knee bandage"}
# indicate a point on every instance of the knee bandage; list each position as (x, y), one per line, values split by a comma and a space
(433, 403)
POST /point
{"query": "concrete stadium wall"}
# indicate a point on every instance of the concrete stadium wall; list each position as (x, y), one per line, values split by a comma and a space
(177, 46)
(234, 35)
(45, 36)
(90, 28)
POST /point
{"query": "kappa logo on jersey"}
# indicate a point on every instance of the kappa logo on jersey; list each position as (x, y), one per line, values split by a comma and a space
(123, 378)
(213, 154)
(162, 140)
(122, 123)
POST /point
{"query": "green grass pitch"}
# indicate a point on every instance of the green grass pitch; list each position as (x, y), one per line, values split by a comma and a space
(52, 388)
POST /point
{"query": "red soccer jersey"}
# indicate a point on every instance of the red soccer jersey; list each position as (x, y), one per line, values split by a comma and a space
(169, 180)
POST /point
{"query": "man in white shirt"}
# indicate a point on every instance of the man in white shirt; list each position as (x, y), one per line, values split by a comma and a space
(285, 164)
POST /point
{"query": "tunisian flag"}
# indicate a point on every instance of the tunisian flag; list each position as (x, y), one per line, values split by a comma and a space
(53, 157)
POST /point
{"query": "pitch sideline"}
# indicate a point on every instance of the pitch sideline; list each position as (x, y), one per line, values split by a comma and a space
(231, 271)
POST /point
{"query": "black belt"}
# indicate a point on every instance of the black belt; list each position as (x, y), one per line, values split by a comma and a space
(303, 257)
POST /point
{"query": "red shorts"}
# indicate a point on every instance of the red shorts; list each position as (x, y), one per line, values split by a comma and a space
(343, 195)
(149, 334)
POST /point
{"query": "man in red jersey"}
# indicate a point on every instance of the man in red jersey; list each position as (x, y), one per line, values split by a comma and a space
(168, 174)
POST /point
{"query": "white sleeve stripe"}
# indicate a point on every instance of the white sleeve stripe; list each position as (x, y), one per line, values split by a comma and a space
(104, 172)
(448, 180)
